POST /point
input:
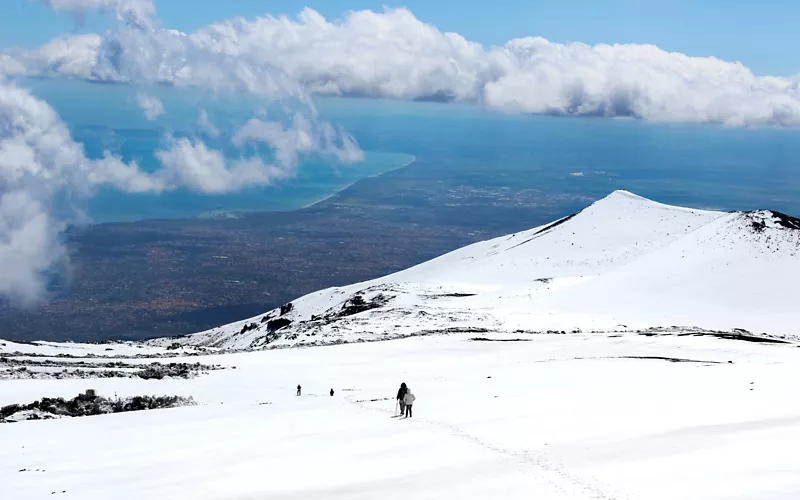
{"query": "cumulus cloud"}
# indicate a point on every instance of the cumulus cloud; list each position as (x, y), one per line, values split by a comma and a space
(41, 167)
(192, 164)
(72, 56)
(150, 106)
(45, 176)
(393, 54)
(303, 136)
(374, 54)
(139, 13)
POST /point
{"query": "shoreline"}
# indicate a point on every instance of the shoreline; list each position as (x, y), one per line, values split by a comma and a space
(325, 198)
(235, 214)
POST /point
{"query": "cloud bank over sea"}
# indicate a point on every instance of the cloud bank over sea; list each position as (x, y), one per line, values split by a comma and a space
(392, 54)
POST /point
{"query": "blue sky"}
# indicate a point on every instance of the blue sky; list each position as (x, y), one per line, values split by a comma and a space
(764, 35)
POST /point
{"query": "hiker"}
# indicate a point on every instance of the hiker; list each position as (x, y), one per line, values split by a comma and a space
(299, 389)
(409, 399)
(400, 395)
(331, 392)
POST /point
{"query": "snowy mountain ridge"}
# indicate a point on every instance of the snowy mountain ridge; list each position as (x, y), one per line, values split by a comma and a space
(630, 408)
(623, 263)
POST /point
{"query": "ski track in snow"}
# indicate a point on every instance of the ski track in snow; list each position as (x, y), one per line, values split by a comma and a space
(563, 481)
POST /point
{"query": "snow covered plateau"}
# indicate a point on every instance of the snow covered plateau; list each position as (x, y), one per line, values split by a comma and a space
(633, 350)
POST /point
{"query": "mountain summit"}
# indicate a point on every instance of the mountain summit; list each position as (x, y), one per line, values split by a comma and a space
(624, 262)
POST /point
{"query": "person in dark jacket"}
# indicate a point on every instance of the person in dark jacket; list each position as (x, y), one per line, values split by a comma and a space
(299, 390)
(401, 394)
(331, 392)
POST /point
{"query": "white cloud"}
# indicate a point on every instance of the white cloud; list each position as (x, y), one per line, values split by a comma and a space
(138, 13)
(73, 56)
(385, 54)
(393, 54)
(28, 248)
(11, 66)
(45, 177)
(192, 164)
(206, 126)
(41, 167)
(150, 106)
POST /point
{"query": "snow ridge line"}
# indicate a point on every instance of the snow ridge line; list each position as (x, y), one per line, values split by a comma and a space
(546, 466)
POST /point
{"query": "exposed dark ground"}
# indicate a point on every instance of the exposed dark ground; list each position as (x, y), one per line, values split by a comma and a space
(168, 277)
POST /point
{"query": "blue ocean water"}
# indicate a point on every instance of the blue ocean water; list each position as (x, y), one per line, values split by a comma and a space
(107, 118)
(701, 166)
(704, 166)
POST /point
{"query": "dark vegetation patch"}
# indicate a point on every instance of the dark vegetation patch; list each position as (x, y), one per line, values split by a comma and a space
(11, 368)
(88, 404)
(200, 351)
(749, 338)
(484, 339)
(735, 334)
(661, 358)
(746, 337)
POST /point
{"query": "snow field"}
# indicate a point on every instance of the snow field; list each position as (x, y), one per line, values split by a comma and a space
(556, 417)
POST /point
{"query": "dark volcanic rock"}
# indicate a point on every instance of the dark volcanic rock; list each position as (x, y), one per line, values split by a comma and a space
(277, 324)
(357, 304)
(247, 327)
(783, 220)
(786, 221)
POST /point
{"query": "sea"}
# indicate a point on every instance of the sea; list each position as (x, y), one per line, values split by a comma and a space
(698, 165)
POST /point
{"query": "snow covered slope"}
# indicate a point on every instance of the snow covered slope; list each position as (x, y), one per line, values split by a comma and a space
(644, 411)
(622, 263)
(551, 417)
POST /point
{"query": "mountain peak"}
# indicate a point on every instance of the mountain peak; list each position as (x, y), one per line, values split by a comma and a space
(624, 260)
(621, 193)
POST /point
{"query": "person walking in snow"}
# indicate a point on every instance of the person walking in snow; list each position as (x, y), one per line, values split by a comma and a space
(299, 389)
(401, 394)
(409, 399)
(331, 392)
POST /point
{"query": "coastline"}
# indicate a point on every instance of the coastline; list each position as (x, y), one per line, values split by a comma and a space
(235, 213)
(327, 197)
